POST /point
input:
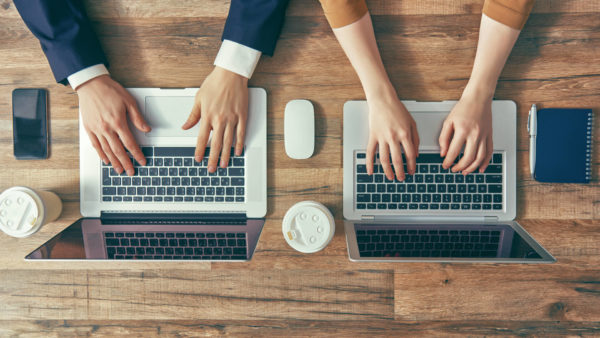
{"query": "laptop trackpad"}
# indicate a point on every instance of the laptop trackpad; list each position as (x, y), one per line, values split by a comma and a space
(166, 115)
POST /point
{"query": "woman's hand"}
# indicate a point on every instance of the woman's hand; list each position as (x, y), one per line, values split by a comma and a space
(392, 130)
(470, 121)
(469, 124)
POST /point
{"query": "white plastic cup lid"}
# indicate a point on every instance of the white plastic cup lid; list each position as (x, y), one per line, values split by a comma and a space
(20, 213)
(308, 226)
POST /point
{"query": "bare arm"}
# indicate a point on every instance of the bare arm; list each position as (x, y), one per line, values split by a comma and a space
(496, 40)
(470, 122)
(391, 126)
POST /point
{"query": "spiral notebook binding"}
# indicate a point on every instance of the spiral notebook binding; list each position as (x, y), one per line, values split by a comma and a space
(588, 151)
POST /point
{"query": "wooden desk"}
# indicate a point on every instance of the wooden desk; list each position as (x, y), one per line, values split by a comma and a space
(428, 48)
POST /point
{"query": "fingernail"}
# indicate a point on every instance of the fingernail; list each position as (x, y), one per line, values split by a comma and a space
(212, 168)
(238, 152)
(223, 164)
(130, 172)
(198, 159)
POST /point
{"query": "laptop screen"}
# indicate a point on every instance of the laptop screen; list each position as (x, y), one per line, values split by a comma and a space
(447, 242)
(215, 239)
(66, 245)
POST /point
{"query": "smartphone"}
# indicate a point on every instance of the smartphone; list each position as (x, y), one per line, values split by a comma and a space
(30, 123)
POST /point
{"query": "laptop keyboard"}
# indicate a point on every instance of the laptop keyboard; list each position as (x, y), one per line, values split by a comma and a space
(430, 188)
(172, 175)
(176, 245)
(428, 243)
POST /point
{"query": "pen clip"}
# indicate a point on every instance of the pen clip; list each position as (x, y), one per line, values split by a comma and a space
(529, 121)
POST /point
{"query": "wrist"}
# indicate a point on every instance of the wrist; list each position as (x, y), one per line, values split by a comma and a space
(91, 83)
(380, 91)
(229, 75)
(479, 91)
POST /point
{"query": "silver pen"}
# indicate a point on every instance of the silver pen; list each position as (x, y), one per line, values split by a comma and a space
(532, 129)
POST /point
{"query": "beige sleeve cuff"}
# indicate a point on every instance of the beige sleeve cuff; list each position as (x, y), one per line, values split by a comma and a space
(513, 13)
(340, 13)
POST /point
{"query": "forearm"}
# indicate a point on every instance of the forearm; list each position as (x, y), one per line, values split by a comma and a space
(495, 43)
(358, 42)
(65, 34)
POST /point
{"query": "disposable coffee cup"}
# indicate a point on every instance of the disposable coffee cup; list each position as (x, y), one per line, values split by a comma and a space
(308, 226)
(23, 211)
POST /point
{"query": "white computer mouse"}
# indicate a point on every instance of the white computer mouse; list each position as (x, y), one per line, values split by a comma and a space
(299, 129)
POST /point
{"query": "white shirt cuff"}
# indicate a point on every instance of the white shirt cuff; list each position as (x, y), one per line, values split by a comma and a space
(237, 58)
(78, 78)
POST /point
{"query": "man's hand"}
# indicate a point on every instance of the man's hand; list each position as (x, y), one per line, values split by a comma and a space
(469, 124)
(104, 105)
(393, 129)
(222, 102)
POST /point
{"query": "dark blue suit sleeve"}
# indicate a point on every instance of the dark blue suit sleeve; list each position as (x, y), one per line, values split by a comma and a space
(65, 34)
(255, 23)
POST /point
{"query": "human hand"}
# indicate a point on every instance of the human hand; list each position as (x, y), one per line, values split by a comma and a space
(470, 121)
(222, 101)
(104, 105)
(469, 124)
(390, 127)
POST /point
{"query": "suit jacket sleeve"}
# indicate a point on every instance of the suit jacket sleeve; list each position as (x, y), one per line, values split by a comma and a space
(65, 34)
(255, 23)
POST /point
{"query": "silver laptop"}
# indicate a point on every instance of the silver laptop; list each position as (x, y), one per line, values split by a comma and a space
(435, 215)
(172, 208)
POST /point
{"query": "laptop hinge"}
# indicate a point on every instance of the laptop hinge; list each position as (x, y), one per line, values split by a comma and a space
(429, 219)
(367, 217)
(173, 218)
(490, 219)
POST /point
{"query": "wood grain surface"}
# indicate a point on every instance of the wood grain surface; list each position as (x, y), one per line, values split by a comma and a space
(428, 49)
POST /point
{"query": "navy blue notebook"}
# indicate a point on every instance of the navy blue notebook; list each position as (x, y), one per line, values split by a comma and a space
(563, 145)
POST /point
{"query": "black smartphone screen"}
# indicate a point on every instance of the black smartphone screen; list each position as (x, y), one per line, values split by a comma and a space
(30, 125)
